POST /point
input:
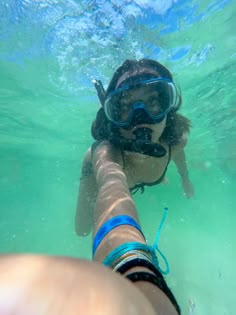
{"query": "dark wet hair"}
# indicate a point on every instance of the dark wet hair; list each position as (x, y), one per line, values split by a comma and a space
(176, 124)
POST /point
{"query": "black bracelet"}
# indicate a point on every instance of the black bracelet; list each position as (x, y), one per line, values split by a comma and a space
(157, 281)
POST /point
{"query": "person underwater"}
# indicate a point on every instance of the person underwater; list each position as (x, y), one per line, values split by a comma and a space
(139, 117)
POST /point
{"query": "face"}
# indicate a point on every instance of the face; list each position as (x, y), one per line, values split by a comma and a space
(149, 96)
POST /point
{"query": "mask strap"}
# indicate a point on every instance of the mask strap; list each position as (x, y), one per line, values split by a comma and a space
(100, 90)
(177, 97)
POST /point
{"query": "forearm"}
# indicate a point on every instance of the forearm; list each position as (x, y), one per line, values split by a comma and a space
(180, 161)
(113, 193)
(181, 164)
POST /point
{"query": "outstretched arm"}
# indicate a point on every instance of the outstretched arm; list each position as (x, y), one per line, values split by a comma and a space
(113, 202)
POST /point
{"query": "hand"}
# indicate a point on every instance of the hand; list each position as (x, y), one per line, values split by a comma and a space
(187, 188)
(31, 284)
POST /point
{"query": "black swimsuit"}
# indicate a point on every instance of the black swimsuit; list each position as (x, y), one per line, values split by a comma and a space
(141, 186)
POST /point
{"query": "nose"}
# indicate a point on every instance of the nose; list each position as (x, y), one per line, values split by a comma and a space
(138, 105)
(139, 116)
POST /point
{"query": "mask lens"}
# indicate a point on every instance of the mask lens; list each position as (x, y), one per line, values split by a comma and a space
(163, 97)
(159, 97)
(117, 109)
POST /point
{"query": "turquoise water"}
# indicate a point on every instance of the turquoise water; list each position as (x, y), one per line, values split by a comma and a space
(50, 50)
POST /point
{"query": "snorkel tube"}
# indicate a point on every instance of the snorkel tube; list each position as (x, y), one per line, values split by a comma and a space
(142, 144)
(100, 90)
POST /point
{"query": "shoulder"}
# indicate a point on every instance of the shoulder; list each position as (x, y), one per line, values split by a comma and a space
(104, 150)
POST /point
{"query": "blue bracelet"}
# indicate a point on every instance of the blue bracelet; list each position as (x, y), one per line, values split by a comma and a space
(110, 225)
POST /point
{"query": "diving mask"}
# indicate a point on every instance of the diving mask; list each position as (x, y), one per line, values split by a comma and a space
(125, 111)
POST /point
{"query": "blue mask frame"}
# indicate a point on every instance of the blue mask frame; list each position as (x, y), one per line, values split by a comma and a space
(138, 106)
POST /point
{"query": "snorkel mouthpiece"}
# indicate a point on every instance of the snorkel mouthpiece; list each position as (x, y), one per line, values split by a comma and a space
(143, 143)
(143, 134)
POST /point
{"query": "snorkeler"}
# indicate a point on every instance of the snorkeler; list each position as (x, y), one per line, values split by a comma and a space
(138, 116)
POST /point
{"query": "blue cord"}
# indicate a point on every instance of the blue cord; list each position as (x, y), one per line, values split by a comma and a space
(155, 244)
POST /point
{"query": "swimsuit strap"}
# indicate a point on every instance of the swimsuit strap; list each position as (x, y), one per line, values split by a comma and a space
(141, 186)
(138, 187)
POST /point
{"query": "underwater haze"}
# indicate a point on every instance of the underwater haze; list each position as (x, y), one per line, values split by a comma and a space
(50, 51)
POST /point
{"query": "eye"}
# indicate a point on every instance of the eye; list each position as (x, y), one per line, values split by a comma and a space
(153, 102)
(154, 105)
(124, 104)
(125, 107)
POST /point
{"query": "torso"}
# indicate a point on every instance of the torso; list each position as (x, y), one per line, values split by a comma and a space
(142, 169)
